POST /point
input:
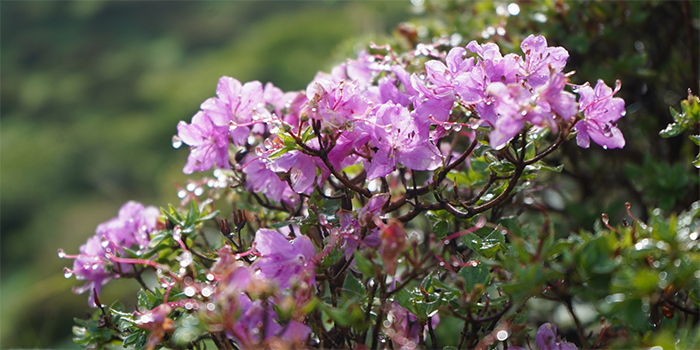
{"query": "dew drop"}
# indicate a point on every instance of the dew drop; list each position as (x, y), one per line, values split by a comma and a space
(177, 233)
(206, 292)
(502, 335)
(211, 306)
(189, 291)
(181, 194)
(513, 9)
(447, 126)
(457, 127)
(185, 259)
(210, 276)
(177, 142)
(191, 186)
(189, 306)
(539, 17)
(446, 242)
(198, 191)
(67, 273)
(95, 266)
(61, 253)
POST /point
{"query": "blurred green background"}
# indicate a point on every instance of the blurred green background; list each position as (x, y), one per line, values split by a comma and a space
(92, 92)
(91, 95)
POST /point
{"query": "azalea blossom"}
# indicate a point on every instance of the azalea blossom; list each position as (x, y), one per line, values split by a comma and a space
(601, 111)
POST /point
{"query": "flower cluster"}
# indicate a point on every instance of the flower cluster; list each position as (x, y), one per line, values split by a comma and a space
(131, 229)
(331, 179)
(376, 113)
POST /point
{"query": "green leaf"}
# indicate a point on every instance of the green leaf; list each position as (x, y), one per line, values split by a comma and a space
(672, 129)
(173, 215)
(353, 285)
(142, 300)
(695, 139)
(131, 339)
(427, 283)
(503, 167)
(474, 275)
(207, 216)
(364, 265)
(542, 166)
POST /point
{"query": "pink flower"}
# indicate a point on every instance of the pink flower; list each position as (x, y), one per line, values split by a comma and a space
(283, 261)
(235, 103)
(208, 143)
(131, 229)
(336, 104)
(540, 59)
(400, 139)
(600, 111)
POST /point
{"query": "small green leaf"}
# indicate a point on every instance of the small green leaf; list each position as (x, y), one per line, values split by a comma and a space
(427, 283)
(671, 130)
(364, 265)
(695, 139)
(352, 284)
(474, 275)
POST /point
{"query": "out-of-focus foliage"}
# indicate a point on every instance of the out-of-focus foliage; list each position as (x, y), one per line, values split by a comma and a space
(91, 94)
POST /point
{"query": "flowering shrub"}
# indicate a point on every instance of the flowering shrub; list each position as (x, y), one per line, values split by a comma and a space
(379, 205)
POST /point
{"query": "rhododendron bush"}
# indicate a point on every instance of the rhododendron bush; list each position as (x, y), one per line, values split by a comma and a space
(380, 208)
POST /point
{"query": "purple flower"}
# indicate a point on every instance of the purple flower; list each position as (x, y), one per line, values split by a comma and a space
(497, 67)
(516, 104)
(548, 339)
(235, 103)
(245, 319)
(546, 336)
(260, 179)
(301, 169)
(283, 261)
(336, 104)
(561, 102)
(130, 229)
(400, 139)
(600, 111)
(404, 326)
(361, 70)
(208, 143)
(91, 266)
(540, 59)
